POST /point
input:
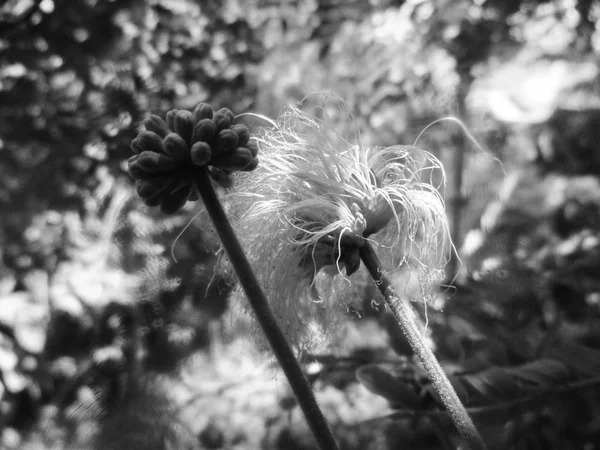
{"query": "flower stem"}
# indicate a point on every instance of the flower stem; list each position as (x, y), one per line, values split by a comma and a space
(405, 318)
(282, 350)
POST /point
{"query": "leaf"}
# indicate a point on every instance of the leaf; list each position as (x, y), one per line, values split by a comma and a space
(582, 359)
(476, 390)
(500, 385)
(393, 389)
(484, 388)
(543, 373)
(503, 381)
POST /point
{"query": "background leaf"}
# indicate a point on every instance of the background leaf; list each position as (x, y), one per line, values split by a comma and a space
(393, 389)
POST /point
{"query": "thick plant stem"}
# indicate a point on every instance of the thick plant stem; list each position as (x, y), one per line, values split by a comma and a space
(282, 350)
(405, 318)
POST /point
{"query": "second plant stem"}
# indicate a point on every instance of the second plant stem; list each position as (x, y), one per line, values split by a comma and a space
(256, 297)
(405, 318)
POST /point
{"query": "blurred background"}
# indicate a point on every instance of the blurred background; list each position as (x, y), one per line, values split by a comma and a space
(108, 342)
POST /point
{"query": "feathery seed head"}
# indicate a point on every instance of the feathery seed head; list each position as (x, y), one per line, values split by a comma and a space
(313, 201)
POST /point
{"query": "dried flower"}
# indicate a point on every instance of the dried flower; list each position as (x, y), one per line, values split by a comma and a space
(169, 154)
(313, 201)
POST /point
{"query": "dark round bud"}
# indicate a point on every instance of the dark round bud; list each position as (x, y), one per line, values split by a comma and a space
(253, 165)
(158, 198)
(160, 183)
(200, 153)
(238, 160)
(243, 134)
(171, 119)
(155, 124)
(227, 113)
(176, 147)
(252, 145)
(204, 130)
(157, 162)
(222, 121)
(153, 201)
(184, 125)
(148, 189)
(202, 111)
(136, 147)
(136, 172)
(226, 142)
(148, 141)
(174, 201)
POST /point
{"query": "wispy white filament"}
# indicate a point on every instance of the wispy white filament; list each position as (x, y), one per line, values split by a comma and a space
(311, 184)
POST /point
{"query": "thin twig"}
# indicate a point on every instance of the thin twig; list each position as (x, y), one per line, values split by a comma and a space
(264, 314)
(406, 319)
